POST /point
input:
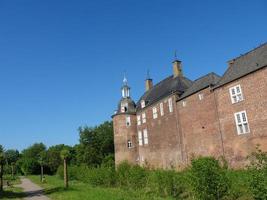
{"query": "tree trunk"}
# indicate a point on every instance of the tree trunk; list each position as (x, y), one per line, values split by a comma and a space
(12, 171)
(1, 177)
(66, 181)
(42, 173)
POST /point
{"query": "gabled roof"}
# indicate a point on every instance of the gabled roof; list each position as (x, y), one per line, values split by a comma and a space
(164, 88)
(201, 83)
(245, 64)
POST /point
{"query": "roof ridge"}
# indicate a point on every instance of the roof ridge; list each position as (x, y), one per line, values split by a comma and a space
(205, 76)
(238, 57)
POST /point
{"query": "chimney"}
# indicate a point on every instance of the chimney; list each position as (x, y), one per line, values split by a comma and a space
(177, 68)
(149, 84)
(231, 62)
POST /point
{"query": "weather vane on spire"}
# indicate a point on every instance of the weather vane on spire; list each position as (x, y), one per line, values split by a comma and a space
(124, 78)
(148, 74)
(175, 54)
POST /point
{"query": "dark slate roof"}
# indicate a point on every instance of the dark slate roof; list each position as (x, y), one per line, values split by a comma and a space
(201, 83)
(164, 88)
(245, 64)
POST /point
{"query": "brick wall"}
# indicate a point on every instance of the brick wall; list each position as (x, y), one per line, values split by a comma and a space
(199, 125)
(122, 134)
(254, 89)
(163, 149)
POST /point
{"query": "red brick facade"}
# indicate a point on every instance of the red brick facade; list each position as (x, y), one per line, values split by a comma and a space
(200, 124)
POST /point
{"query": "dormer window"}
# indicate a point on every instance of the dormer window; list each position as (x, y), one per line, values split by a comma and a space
(124, 107)
(236, 94)
(143, 104)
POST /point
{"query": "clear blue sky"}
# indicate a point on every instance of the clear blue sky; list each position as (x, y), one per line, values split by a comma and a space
(62, 62)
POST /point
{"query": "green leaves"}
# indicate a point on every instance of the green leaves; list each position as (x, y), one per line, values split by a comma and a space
(209, 179)
(96, 143)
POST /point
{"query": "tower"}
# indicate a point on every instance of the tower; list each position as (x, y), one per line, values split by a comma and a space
(125, 127)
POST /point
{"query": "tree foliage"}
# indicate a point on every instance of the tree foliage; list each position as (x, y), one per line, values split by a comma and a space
(30, 158)
(209, 179)
(258, 168)
(95, 144)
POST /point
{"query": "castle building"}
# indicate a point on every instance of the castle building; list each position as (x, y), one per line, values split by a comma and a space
(178, 118)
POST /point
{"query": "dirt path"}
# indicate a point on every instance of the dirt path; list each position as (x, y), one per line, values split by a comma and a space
(33, 191)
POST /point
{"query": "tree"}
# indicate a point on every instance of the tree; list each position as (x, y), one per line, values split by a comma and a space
(2, 161)
(42, 162)
(29, 158)
(65, 155)
(12, 157)
(96, 143)
(53, 156)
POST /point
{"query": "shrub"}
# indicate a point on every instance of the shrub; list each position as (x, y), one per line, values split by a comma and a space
(258, 169)
(209, 179)
(132, 176)
(165, 183)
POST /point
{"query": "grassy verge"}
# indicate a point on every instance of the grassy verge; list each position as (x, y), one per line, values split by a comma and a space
(78, 190)
(12, 192)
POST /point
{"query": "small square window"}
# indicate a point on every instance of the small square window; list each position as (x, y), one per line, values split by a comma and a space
(236, 94)
(201, 96)
(143, 104)
(184, 103)
(129, 144)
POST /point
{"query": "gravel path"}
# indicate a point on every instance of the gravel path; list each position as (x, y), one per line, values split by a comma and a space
(33, 191)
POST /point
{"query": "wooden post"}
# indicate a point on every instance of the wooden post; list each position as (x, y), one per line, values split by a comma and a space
(66, 174)
(1, 177)
(42, 173)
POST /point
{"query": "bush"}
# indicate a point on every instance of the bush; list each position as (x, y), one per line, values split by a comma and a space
(101, 176)
(131, 176)
(165, 183)
(258, 169)
(209, 179)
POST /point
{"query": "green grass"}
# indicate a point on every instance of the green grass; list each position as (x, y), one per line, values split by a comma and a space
(78, 190)
(12, 192)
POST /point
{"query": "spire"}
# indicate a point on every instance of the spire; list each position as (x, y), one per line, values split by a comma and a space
(125, 82)
(125, 90)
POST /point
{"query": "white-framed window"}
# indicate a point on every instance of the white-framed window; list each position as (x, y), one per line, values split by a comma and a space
(144, 117)
(170, 104)
(161, 109)
(140, 138)
(155, 112)
(200, 96)
(183, 103)
(236, 94)
(138, 120)
(128, 121)
(143, 104)
(129, 144)
(145, 136)
(241, 121)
